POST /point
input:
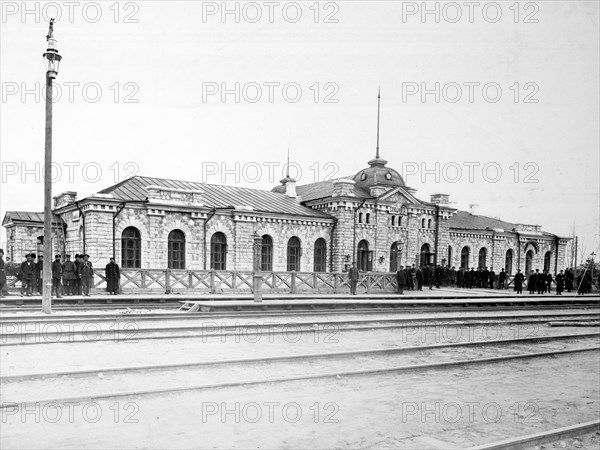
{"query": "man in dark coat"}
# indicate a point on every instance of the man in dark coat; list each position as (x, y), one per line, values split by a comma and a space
(540, 279)
(501, 279)
(569, 278)
(113, 275)
(77, 285)
(86, 274)
(28, 272)
(560, 283)
(353, 277)
(69, 275)
(401, 279)
(419, 278)
(532, 282)
(519, 279)
(460, 277)
(492, 278)
(39, 265)
(57, 272)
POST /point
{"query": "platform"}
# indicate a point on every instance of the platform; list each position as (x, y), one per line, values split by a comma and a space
(356, 302)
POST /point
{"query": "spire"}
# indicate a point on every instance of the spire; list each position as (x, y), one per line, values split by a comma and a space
(378, 161)
(378, 109)
(287, 168)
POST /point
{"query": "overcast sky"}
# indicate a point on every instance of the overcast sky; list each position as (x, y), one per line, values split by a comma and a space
(496, 105)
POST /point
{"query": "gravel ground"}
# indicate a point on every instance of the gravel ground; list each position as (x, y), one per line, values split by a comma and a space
(450, 408)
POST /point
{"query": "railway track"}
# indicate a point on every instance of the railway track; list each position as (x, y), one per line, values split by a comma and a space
(41, 330)
(94, 383)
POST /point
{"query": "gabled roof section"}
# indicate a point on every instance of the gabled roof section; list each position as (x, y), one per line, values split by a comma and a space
(215, 196)
(324, 189)
(28, 218)
(404, 192)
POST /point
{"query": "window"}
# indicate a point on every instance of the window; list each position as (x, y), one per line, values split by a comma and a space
(266, 254)
(367, 218)
(359, 217)
(394, 257)
(450, 256)
(131, 248)
(508, 262)
(393, 220)
(426, 255)
(547, 259)
(464, 258)
(218, 251)
(294, 251)
(482, 257)
(176, 250)
(320, 264)
(422, 223)
(429, 223)
(528, 262)
(399, 221)
(364, 257)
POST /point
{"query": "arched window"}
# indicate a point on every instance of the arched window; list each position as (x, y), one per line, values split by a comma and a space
(426, 255)
(422, 223)
(547, 259)
(429, 223)
(393, 220)
(359, 217)
(266, 254)
(482, 257)
(399, 221)
(367, 218)
(131, 248)
(450, 256)
(508, 262)
(176, 250)
(395, 253)
(464, 257)
(293, 254)
(320, 264)
(528, 262)
(218, 251)
(364, 260)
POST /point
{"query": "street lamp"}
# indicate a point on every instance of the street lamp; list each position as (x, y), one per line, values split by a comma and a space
(52, 64)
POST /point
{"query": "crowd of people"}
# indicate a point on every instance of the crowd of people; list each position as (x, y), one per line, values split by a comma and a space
(68, 277)
(414, 278)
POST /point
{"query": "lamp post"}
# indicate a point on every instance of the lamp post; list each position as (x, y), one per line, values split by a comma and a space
(52, 63)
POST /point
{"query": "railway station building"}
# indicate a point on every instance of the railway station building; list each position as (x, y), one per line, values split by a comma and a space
(371, 217)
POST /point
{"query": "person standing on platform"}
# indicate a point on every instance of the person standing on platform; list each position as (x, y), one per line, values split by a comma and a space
(2, 272)
(353, 277)
(401, 279)
(57, 272)
(77, 287)
(492, 277)
(419, 278)
(27, 273)
(560, 283)
(69, 275)
(39, 265)
(548, 282)
(519, 279)
(532, 283)
(569, 278)
(501, 279)
(86, 274)
(113, 276)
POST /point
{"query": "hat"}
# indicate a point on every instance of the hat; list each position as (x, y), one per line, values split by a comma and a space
(67, 256)
(86, 255)
(77, 255)
(56, 256)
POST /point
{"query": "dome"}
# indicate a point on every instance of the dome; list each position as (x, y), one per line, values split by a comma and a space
(377, 174)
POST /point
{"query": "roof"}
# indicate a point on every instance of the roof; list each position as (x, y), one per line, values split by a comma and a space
(465, 220)
(323, 189)
(215, 196)
(27, 217)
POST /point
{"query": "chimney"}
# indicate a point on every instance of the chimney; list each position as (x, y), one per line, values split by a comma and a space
(344, 187)
(440, 199)
(66, 198)
(474, 209)
(290, 188)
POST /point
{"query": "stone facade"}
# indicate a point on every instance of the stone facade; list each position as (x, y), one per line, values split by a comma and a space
(375, 208)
